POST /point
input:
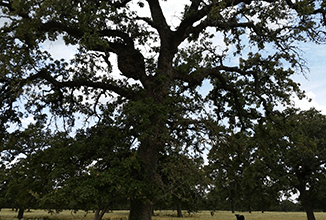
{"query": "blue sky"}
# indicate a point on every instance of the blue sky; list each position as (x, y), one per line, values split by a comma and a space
(314, 83)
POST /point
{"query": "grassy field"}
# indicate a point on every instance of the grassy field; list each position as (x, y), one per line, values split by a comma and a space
(7, 214)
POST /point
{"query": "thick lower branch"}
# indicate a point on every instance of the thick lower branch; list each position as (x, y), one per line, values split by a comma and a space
(130, 94)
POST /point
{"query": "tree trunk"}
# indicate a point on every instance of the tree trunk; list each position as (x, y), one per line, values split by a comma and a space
(140, 210)
(99, 213)
(308, 207)
(152, 142)
(20, 213)
(179, 211)
(306, 201)
(310, 213)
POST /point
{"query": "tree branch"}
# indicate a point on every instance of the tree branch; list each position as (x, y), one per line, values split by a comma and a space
(130, 61)
(43, 74)
(194, 14)
(159, 21)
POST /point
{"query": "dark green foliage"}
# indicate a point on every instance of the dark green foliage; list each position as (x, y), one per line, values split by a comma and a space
(240, 179)
(151, 105)
(293, 149)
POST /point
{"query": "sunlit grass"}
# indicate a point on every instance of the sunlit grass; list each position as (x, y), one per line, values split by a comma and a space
(8, 214)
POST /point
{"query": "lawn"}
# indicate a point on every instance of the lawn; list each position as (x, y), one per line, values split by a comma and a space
(7, 214)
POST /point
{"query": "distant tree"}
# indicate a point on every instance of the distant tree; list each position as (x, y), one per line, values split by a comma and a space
(90, 171)
(19, 189)
(160, 67)
(19, 177)
(238, 177)
(288, 206)
(293, 147)
(3, 188)
(184, 182)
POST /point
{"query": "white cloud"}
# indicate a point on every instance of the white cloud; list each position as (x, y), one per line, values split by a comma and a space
(59, 50)
(315, 82)
(309, 102)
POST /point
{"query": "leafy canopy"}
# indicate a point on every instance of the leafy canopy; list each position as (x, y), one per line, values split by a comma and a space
(142, 73)
(155, 54)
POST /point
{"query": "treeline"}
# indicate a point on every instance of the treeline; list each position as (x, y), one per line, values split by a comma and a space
(94, 170)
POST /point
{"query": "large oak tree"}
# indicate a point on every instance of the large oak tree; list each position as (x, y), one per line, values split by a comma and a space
(242, 48)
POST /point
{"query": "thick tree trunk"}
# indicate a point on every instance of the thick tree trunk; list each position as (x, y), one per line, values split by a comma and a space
(308, 207)
(140, 210)
(152, 141)
(306, 201)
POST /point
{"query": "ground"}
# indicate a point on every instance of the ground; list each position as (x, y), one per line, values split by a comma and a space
(7, 214)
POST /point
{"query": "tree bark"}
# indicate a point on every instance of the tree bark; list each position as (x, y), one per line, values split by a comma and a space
(99, 213)
(149, 154)
(310, 213)
(20, 213)
(140, 210)
(179, 210)
(306, 201)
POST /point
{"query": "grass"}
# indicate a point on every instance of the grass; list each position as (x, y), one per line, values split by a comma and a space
(7, 214)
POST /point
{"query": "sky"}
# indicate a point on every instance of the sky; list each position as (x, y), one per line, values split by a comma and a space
(314, 83)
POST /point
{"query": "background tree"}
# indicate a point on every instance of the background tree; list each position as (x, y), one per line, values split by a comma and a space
(153, 57)
(19, 189)
(293, 147)
(91, 171)
(238, 177)
(184, 183)
(20, 179)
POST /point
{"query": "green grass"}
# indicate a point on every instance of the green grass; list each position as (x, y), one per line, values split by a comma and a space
(7, 214)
